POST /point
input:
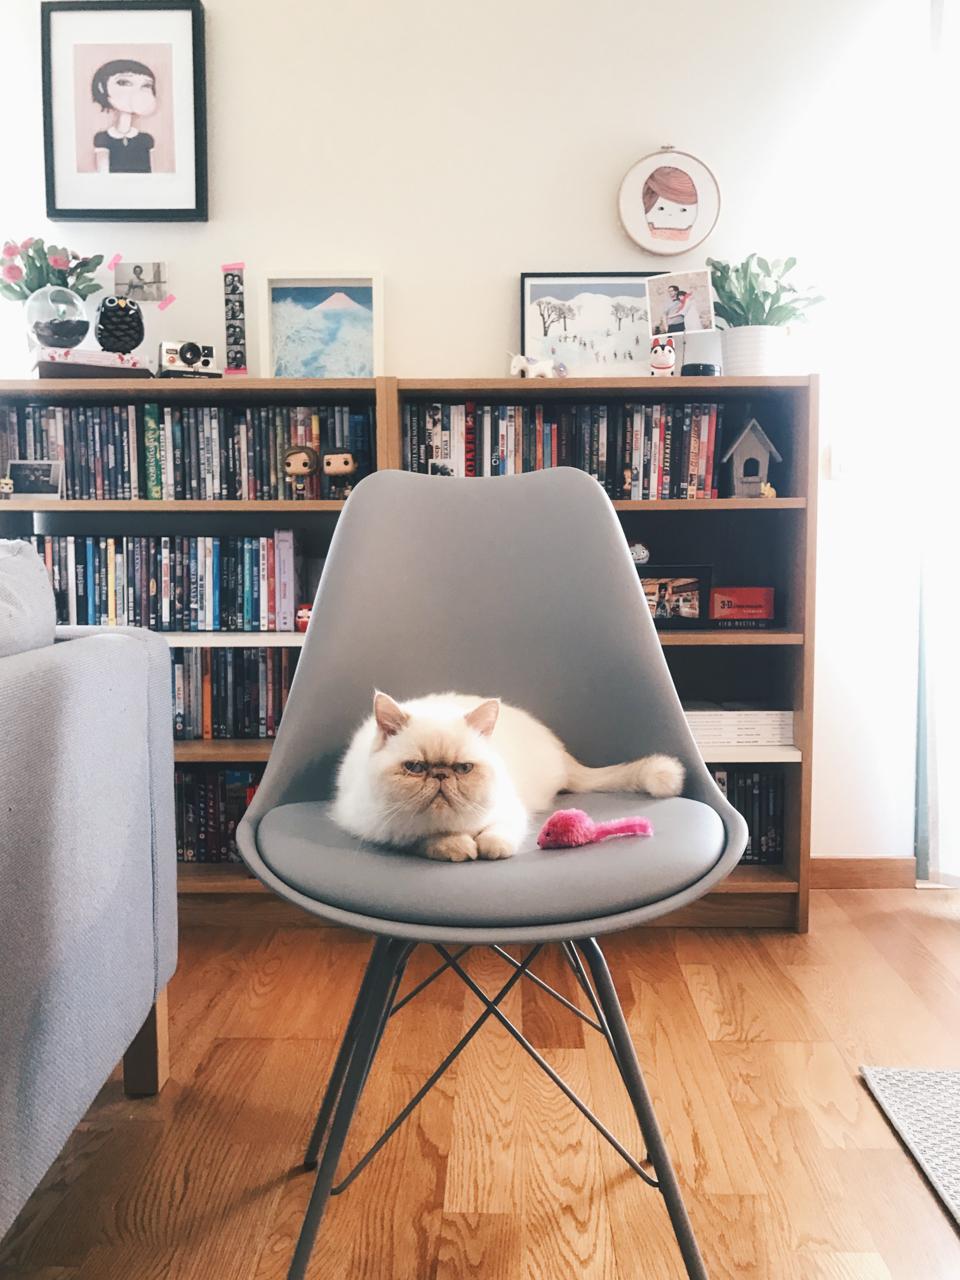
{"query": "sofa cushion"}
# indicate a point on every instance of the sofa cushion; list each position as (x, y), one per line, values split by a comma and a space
(28, 613)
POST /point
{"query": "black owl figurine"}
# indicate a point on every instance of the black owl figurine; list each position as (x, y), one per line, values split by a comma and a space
(119, 324)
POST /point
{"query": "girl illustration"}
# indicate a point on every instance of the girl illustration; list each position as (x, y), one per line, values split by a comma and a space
(129, 90)
(670, 203)
(680, 314)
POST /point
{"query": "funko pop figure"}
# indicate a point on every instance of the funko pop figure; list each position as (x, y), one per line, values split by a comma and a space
(300, 461)
(6, 487)
(340, 469)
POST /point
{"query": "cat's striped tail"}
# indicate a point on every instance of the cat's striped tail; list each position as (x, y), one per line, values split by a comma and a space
(656, 775)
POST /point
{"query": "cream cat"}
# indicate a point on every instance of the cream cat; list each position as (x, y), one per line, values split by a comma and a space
(456, 777)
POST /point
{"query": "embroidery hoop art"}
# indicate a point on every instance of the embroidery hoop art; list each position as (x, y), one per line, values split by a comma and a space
(633, 217)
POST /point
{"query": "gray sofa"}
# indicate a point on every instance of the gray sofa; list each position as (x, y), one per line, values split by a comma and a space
(87, 868)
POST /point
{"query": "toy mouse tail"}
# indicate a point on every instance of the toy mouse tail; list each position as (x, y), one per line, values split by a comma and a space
(656, 775)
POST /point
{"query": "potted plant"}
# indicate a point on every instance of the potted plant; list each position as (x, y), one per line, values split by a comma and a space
(53, 283)
(756, 304)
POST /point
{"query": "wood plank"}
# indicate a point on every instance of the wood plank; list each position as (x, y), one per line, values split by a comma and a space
(146, 1064)
(731, 637)
(218, 877)
(731, 910)
(206, 750)
(276, 389)
(557, 388)
(789, 1170)
(863, 873)
(710, 504)
(28, 502)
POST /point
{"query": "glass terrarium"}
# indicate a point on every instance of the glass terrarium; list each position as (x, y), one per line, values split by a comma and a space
(55, 317)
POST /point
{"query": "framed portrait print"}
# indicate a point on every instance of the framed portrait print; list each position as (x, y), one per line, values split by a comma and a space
(678, 595)
(669, 202)
(597, 324)
(323, 326)
(124, 110)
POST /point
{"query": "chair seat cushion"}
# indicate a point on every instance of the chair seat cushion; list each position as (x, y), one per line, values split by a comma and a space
(302, 845)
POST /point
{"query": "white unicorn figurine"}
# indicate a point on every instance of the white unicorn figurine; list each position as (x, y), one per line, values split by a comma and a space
(528, 367)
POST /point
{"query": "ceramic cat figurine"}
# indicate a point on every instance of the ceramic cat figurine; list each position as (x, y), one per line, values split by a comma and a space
(455, 777)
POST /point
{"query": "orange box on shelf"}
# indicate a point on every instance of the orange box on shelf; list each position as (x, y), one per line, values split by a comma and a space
(742, 606)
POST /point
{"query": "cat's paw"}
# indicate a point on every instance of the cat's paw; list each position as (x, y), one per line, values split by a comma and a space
(493, 844)
(452, 848)
(661, 776)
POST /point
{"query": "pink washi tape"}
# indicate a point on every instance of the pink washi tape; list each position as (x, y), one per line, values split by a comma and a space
(162, 306)
(113, 261)
(232, 266)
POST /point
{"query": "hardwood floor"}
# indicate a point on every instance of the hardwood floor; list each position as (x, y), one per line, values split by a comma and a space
(751, 1044)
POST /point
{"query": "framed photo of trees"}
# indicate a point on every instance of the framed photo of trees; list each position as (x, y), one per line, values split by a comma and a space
(597, 325)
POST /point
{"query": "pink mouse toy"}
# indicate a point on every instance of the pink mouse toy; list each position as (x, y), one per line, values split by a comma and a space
(568, 828)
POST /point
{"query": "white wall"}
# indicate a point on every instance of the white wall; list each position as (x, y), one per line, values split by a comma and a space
(453, 146)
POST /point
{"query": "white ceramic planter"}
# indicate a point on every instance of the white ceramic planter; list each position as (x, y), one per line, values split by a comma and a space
(755, 349)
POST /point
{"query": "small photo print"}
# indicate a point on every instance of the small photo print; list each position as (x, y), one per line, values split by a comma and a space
(144, 281)
(235, 335)
(233, 308)
(681, 302)
(36, 477)
(236, 358)
(232, 283)
(672, 597)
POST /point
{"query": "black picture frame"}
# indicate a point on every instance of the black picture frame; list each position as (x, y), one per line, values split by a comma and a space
(678, 621)
(45, 478)
(199, 210)
(569, 277)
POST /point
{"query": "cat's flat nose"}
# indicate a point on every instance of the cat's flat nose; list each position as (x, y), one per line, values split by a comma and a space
(440, 774)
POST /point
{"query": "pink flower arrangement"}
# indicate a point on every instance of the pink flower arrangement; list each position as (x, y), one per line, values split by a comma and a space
(44, 265)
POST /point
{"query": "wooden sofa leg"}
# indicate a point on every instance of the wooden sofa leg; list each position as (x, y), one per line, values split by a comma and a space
(146, 1064)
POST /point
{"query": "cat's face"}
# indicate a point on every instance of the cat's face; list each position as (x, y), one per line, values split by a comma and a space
(434, 774)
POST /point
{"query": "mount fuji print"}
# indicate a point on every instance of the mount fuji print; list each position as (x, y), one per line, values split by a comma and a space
(322, 331)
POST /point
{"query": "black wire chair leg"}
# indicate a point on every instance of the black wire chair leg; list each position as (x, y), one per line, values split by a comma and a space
(335, 1083)
(629, 1065)
(388, 955)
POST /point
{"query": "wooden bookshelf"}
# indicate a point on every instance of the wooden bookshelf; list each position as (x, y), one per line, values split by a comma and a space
(234, 639)
(774, 538)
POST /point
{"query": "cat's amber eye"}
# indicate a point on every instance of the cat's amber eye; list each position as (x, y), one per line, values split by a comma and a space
(415, 766)
(462, 768)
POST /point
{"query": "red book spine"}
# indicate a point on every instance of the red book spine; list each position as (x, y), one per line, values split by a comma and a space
(271, 586)
(553, 444)
(711, 447)
(470, 440)
(539, 442)
(271, 718)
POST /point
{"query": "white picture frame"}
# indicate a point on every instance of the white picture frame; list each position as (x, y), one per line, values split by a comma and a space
(596, 324)
(350, 347)
(669, 202)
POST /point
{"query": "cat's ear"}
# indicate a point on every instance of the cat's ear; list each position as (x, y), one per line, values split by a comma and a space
(484, 718)
(390, 718)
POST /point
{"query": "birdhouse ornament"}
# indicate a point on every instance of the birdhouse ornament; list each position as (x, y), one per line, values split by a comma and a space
(750, 456)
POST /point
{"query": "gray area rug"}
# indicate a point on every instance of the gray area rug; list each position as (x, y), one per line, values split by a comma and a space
(924, 1108)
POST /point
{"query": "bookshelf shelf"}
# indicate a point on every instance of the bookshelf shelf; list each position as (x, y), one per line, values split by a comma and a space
(226, 750)
(759, 549)
(671, 638)
(234, 639)
(713, 504)
(231, 877)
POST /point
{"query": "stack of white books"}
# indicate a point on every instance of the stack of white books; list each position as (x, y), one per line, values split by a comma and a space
(741, 728)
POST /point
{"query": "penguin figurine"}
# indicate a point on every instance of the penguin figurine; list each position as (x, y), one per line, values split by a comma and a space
(119, 324)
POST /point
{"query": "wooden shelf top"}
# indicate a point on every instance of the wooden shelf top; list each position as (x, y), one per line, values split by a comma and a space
(234, 639)
(547, 388)
(26, 502)
(668, 638)
(712, 504)
(233, 877)
(751, 755)
(188, 388)
(219, 750)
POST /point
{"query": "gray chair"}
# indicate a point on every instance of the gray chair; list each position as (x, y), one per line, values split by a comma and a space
(519, 587)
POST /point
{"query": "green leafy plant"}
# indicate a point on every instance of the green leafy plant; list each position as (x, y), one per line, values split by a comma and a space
(755, 292)
(27, 267)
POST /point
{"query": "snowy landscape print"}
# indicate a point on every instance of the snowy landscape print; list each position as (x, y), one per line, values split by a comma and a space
(322, 331)
(597, 328)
